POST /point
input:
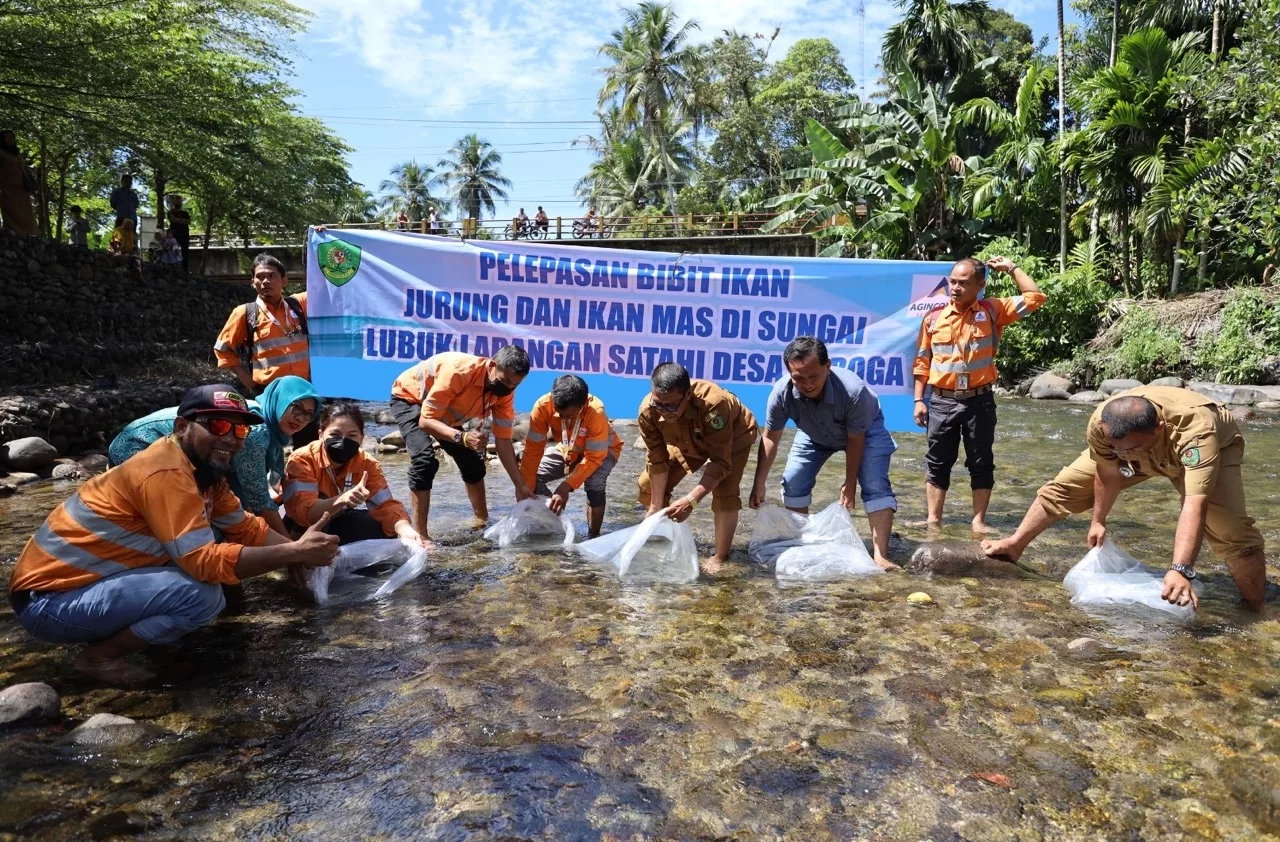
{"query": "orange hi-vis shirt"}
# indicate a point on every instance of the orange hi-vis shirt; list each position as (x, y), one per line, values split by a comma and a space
(310, 476)
(279, 348)
(954, 347)
(147, 512)
(585, 444)
(450, 387)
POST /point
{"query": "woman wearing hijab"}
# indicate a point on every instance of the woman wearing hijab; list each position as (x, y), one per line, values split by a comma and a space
(288, 404)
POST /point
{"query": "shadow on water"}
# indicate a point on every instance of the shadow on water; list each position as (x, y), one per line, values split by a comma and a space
(532, 695)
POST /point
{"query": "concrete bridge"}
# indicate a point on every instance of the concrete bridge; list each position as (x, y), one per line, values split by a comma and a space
(231, 263)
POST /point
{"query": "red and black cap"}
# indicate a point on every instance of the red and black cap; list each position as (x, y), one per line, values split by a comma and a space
(219, 399)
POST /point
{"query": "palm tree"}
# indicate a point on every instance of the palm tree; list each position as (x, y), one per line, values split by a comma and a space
(650, 59)
(628, 168)
(1004, 182)
(930, 40)
(1062, 132)
(409, 190)
(473, 175)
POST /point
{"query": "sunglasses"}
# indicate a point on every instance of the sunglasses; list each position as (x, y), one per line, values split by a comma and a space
(221, 426)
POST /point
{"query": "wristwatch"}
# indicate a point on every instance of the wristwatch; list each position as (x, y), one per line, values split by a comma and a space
(1185, 570)
(457, 437)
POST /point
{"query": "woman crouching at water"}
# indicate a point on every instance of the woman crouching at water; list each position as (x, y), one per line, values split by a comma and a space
(334, 475)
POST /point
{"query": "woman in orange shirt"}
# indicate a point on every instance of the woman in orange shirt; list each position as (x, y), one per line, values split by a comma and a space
(334, 475)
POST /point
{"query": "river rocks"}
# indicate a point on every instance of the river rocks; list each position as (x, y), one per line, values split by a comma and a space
(67, 471)
(639, 444)
(919, 598)
(1050, 386)
(1087, 397)
(1174, 382)
(1243, 413)
(30, 702)
(93, 464)
(106, 729)
(388, 448)
(1224, 394)
(386, 416)
(1267, 406)
(28, 454)
(1084, 647)
(521, 427)
(395, 438)
(1110, 387)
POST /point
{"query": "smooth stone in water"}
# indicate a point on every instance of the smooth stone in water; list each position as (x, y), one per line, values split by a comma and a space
(395, 438)
(956, 558)
(65, 471)
(1084, 646)
(1173, 382)
(33, 701)
(920, 598)
(1119, 384)
(639, 444)
(1049, 386)
(1087, 397)
(106, 729)
(28, 454)
(1225, 394)
(1267, 406)
(94, 463)
(386, 416)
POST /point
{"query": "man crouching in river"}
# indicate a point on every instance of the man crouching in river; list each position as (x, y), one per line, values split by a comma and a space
(1174, 433)
(132, 558)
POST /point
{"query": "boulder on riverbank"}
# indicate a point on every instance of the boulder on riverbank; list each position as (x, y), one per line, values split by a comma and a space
(1050, 386)
(1173, 382)
(1110, 387)
(1087, 397)
(106, 729)
(1229, 395)
(28, 703)
(30, 453)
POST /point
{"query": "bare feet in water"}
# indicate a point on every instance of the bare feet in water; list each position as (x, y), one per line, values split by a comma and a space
(885, 564)
(712, 565)
(980, 527)
(1002, 550)
(115, 671)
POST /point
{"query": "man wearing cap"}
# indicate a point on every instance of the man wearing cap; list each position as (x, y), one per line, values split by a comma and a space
(1174, 433)
(686, 425)
(132, 558)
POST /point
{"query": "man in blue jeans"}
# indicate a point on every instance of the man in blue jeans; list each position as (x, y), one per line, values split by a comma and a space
(834, 411)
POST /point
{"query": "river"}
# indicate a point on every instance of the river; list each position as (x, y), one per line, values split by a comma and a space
(533, 696)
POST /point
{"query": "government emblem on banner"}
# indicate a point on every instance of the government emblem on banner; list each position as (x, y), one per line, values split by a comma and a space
(338, 261)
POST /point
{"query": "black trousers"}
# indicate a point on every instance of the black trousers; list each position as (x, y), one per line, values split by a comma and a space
(423, 462)
(951, 421)
(350, 526)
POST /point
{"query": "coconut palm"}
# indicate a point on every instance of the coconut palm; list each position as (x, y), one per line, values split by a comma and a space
(409, 190)
(930, 40)
(648, 74)
(473, 175)
(629, 169)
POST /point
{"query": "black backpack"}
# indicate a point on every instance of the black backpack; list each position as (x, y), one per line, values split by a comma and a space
(251, 326)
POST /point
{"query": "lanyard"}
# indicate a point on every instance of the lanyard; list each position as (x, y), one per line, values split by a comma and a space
(286, 328)
(571, 440)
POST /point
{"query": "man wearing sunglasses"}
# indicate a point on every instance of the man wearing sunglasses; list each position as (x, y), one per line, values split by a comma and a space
(686, 425)
(138, 555)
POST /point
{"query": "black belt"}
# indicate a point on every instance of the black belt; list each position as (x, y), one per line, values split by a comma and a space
(963, 393)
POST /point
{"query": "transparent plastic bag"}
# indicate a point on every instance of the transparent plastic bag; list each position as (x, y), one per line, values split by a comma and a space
(656, 548)
(531, 521)
(816, 548)
(1109, 577)
(410, 559)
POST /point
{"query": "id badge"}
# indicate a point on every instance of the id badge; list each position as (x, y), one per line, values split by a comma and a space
(962, 382)
(1126, 470)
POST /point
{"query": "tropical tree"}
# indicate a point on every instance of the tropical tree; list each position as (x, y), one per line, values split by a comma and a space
(409, 190)
(1005, 183)
(650, 61)
(930, 40)
(474, 177)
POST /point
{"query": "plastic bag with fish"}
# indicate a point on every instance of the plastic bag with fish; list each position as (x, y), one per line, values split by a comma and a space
(1109, 577)
(656, 548)
(530, 521)
(818, 547)
(409, 558)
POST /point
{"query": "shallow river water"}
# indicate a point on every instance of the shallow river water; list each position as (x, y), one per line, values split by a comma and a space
(533, 696)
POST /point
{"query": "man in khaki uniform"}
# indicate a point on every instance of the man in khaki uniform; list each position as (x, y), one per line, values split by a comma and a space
(685, 425)
(1160, 431)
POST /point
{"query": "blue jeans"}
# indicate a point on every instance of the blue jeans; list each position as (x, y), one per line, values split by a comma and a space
(159, 604)
(806, 459)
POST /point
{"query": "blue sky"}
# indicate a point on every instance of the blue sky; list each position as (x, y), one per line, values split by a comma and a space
(403, 79)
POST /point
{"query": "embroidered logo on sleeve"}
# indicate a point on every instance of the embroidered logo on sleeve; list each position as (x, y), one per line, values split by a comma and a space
(1191, 457)
(715, 421)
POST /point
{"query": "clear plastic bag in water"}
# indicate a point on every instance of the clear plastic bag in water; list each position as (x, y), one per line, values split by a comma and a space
(656, 548)
(815, 548)
(1108, 577)
(410, 559)
(530, 521)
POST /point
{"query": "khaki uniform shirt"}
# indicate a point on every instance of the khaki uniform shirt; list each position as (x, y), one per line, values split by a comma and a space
(713, 427)
(1195, 432)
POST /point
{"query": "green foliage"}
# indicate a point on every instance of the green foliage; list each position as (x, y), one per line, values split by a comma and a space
(473, 175)
(1146, 350)
(1249, 334)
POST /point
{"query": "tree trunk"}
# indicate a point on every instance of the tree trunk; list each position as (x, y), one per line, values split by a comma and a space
(1215, 44)
(208, 235)
(1137, 259)
(1176, 278)
(671, 190)
(62, 192)
(1062, 133)
(1203, 263)
(161, 181)
(1124, 252)
(42, 195)
(1115, 31)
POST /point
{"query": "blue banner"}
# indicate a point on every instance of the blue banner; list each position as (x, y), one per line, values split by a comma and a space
(380, 301)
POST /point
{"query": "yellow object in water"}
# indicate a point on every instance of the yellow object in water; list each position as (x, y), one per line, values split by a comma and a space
(920, 598)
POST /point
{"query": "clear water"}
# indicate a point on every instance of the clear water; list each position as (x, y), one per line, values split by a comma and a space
(533, 696)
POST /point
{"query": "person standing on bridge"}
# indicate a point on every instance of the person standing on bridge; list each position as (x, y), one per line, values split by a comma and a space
(437, 399)
(956, 359)
(834, 410)
(267, 338)
(686, 425)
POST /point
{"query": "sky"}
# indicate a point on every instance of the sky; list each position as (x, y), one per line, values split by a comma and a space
(401, 80)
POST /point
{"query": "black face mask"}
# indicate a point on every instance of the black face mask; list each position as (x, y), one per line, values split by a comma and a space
(498, 388)
(341, 451)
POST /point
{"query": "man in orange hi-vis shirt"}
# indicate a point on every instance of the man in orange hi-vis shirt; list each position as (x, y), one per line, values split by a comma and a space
(588, 448)
(956, 360)
(266, 338)
(138, 555)
(440, 396)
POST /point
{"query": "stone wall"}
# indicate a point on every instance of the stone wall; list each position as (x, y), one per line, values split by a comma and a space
(74, 315)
